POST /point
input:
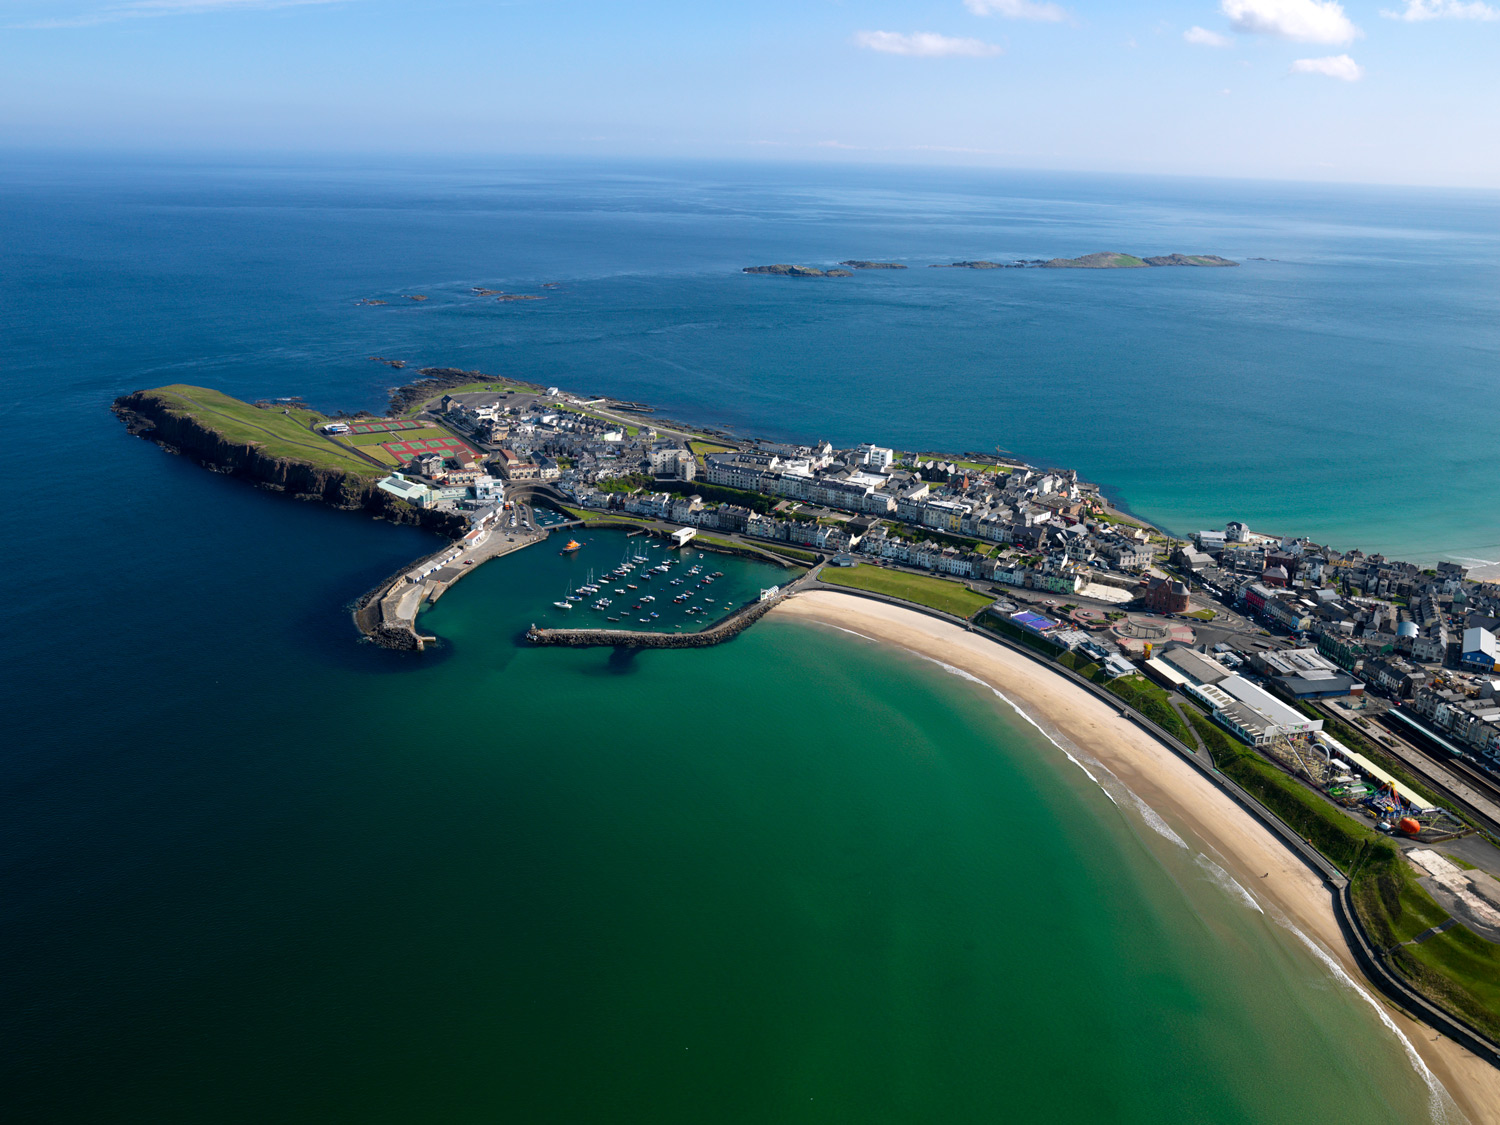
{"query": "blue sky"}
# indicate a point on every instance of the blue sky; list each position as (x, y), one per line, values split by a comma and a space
(1384, 91)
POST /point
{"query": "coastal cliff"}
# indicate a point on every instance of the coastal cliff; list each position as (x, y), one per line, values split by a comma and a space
(167, 418)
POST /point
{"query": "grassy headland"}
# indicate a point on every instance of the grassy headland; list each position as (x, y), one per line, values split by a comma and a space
(280, 431)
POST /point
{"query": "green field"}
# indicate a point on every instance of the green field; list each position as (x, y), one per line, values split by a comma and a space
(935, 593)
(702, 449)
(603, 519)
(279, 432)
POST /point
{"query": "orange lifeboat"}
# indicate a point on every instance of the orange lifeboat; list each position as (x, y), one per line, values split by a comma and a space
(1408, 825)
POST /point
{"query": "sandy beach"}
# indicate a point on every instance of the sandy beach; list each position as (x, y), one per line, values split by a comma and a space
(1166, 783)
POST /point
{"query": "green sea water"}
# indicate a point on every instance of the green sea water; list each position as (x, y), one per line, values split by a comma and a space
(794, 878)
(252, 871)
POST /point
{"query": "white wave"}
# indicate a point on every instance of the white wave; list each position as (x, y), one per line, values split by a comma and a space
(1228, 882)
(1439, 1102)
(1154, 820)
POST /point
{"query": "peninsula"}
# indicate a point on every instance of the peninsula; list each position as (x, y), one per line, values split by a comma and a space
(1348, 702)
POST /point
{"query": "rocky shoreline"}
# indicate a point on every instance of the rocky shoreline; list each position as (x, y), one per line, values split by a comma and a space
(150, 416)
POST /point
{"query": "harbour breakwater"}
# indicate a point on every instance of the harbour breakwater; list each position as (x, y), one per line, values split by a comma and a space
(726, 629)
(152, 416)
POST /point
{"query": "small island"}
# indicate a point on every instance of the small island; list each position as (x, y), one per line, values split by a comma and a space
(784, 270)
(1114, 260)
(860, 264)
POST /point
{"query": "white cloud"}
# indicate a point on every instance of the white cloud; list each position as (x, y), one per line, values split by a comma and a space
(1418, 10)
(1018, 10)
(1305, 21)
(1341, 67)
(1202, 37)
(924, 44)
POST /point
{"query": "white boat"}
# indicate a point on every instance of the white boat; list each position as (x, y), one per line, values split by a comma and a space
(563, 605)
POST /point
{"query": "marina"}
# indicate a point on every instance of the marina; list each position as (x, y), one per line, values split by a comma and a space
(649, 585)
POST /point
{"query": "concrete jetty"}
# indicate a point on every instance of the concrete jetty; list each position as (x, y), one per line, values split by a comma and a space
(387, 615)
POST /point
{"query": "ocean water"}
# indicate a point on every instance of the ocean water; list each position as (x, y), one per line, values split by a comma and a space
(1345, 388)
(253, 870)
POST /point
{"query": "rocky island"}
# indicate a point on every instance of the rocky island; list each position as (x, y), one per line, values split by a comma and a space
(783, 270)
(860, 264)
(1114, 260)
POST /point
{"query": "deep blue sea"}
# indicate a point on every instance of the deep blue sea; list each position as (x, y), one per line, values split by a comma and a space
(251, 870)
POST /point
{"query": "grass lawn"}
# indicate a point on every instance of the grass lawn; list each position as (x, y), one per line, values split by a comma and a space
(593, 518)
(1202, 614)
(702, 449)
(935, 593)
(279, 432)
(1462, 969)
(1151, 701)
(384, 456)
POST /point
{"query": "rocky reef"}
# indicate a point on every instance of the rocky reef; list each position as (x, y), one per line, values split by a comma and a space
(981, 264)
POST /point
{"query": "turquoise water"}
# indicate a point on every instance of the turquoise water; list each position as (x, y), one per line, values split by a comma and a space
(1344, 388)
(722, 583)
(253, 870)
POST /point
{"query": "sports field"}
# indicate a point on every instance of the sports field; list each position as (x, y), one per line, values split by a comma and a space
(410, 449)
(396, 453)
(381, 437)
(377, 426)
